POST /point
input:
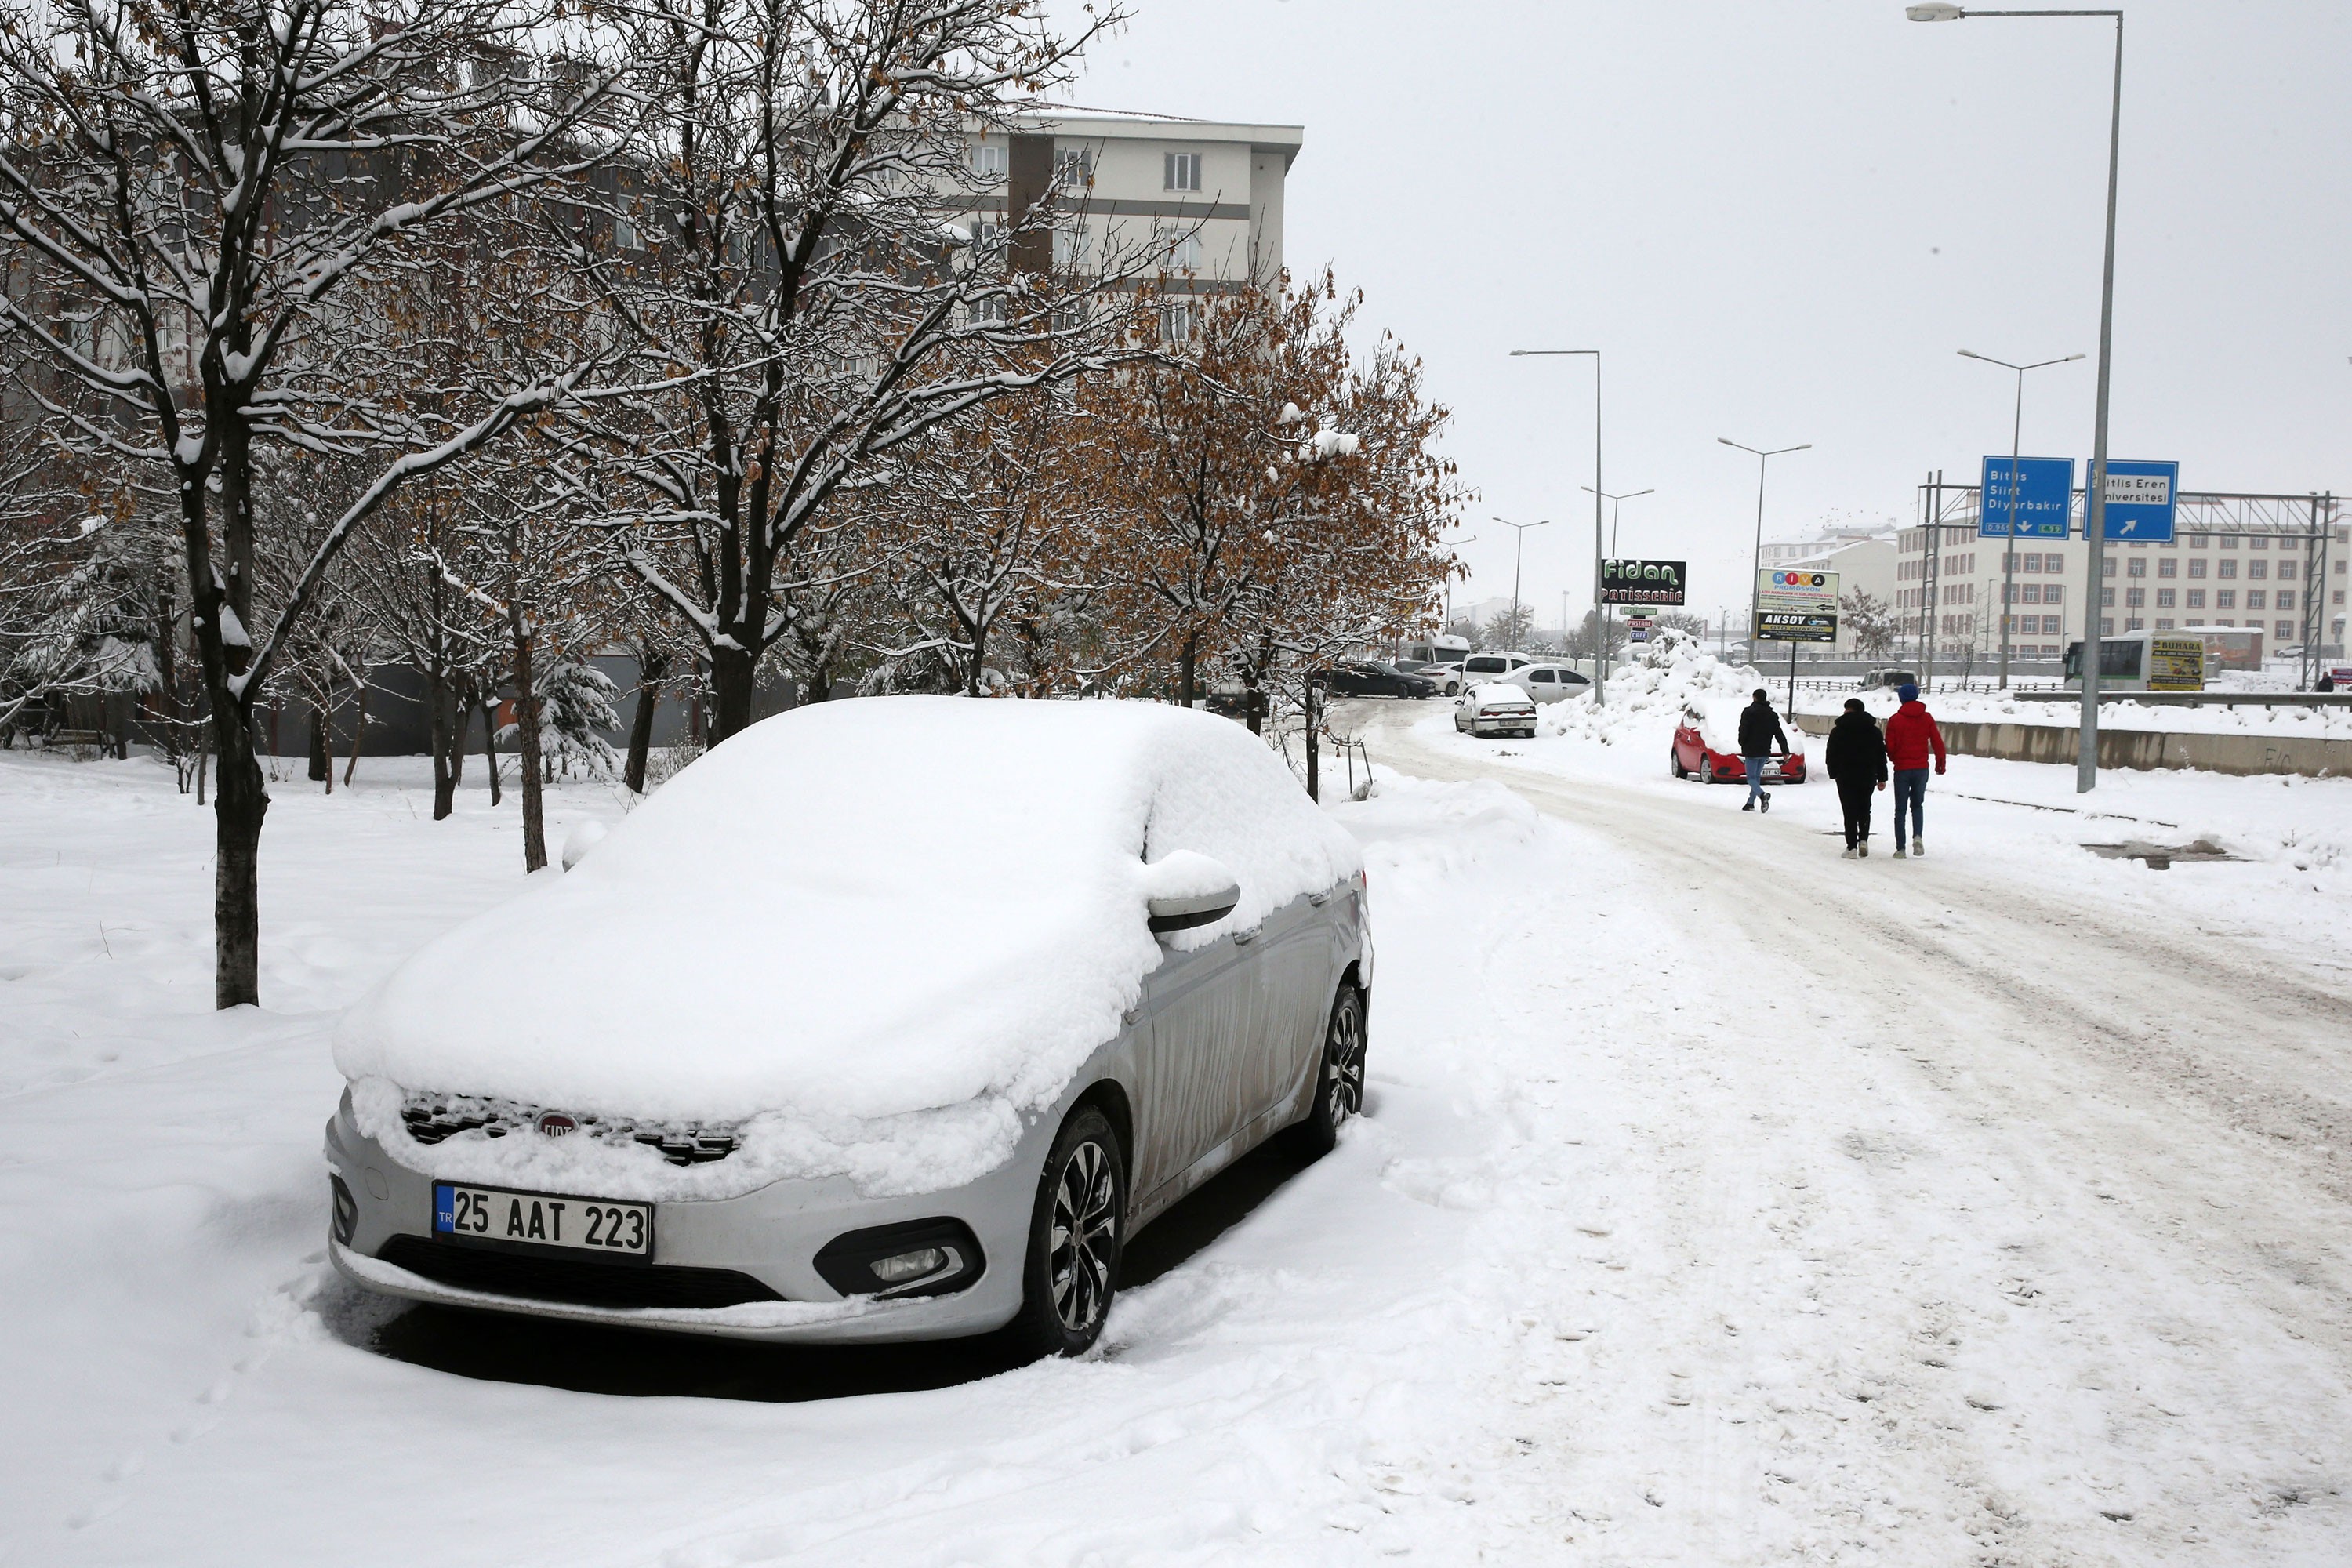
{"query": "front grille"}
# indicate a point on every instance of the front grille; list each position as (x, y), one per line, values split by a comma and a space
(576, 1282)
(431, 1117)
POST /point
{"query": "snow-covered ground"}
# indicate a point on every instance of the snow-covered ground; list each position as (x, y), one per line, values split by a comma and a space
(1717, 1205)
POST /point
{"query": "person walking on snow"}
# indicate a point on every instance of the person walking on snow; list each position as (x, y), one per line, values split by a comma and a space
(1857, 764)
(1760, 732)
(1910, 734)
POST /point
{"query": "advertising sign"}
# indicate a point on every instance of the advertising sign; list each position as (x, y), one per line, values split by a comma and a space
(2140, 497)
(2043, 487)
(1796, 606)
(2176, 664)
(1642, 582)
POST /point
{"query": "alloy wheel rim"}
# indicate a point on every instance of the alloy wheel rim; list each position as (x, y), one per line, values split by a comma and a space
(1347, 1065)
(1086, 1228)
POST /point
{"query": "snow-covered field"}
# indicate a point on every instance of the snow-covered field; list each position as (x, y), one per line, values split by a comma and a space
(1717, 1205)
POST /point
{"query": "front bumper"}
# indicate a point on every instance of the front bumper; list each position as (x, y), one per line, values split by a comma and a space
(771, 1236)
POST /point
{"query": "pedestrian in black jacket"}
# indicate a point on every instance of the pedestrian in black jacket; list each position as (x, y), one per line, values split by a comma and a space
(1760, 732)
(1857, 760)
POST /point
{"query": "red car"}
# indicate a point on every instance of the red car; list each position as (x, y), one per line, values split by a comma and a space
(1706, 742)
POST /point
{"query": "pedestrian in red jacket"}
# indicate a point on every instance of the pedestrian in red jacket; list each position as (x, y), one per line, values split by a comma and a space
(1910, 736)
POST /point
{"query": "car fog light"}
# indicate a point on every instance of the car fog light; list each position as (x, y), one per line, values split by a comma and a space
(908, 1265)
(347, 1210)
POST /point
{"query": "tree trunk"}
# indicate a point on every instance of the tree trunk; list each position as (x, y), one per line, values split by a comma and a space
(1314, 751)
(733, 673)
(1187, 662)
(358, 727)
(436, 712)
(322, 766)
(534, 821)
(491, 743)
(651, 667)
(238, 806)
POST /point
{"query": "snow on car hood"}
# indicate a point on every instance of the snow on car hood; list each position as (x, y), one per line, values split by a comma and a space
(873, 936)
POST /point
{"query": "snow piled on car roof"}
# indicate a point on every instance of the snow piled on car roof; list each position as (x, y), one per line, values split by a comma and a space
(871, 935)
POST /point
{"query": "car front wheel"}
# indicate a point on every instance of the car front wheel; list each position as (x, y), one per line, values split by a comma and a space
(1338, 1083)
(1076, 1232)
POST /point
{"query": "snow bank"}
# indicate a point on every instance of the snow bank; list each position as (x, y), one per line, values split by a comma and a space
(1647, 697)
(2287, 721)
(873, 936)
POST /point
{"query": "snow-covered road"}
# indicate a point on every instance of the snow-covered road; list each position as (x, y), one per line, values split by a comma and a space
(1723, 1202)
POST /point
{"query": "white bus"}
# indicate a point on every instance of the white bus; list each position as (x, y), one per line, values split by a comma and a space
(2143, 661)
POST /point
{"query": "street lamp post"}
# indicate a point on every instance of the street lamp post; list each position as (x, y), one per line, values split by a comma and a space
(2094, 508)
(2009, 537)
(1465, 538)
(1518, 544)
(1604, 619)
(1600, 660)
(1756, 564)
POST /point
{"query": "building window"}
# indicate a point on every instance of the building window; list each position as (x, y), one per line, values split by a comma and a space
(2163, 624)
(2227, 542)
(2164, 600)
(2259, 541)
(1183, 171)
(2254, 599)
(2139, 566)
(2028, 592)
(2106, 566)
(2285, 629)
(1074, 168)
(2282, 600)
(1180, 321)
(2167, 567)
(2198, 540)
(2226, 569)
(2225, 598)
(2106, 626)
(988, 160)
(2052, 625)
(2196, 598)
(2136, 598)
(2135, 625)
(2106, 598)
(2054, 593)
(1183, 252)
(1069, 247)
(2258, 568)
(2197, 567)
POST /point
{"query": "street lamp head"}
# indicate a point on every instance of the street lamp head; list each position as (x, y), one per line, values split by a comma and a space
(1933, 13)
(1970, 354)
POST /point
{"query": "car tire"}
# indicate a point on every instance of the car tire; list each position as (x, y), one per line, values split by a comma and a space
(1068, 1284)
(1674, 762)
(1338, 1079)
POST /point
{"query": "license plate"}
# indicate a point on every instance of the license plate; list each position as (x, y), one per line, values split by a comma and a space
(494, 1215)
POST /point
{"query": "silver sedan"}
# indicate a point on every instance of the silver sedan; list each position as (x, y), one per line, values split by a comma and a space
(1246, 1026)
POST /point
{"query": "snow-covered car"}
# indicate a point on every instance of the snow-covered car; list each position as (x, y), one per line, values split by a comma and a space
(1491, 708)
(1546, 682)
(887, 1019)
(1706, 745)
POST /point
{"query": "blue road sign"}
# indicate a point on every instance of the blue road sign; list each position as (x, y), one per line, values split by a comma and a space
(2140, 497)
(2044, 488)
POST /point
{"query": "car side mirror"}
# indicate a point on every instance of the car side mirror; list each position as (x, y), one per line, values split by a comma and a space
(1185, 888)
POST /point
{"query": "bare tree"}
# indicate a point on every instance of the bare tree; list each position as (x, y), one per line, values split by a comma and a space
(784, 240)
(191, 186)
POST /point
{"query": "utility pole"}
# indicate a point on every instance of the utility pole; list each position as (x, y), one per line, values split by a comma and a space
(1518, 544)
(1600, 660)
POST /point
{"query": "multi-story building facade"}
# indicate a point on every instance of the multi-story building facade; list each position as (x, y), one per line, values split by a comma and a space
(1866, 564)
(1203, 200)
(2219, 569)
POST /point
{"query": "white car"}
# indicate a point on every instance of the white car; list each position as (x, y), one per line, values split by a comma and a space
(1448, 678)
(889, 1019)
(1546, 682)
(1492, 708)
(1489, 666)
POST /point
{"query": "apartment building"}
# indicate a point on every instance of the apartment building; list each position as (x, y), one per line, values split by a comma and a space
(1203, 198)
(1864, 562)
(2248, 576)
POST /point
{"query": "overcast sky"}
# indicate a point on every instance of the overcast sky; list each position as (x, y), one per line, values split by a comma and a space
(1780, 219)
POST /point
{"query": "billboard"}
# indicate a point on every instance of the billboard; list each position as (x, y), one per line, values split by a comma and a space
(1795, 605)
(1642, 582)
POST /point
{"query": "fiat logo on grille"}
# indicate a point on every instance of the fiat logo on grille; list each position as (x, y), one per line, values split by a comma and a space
(555, 1125)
